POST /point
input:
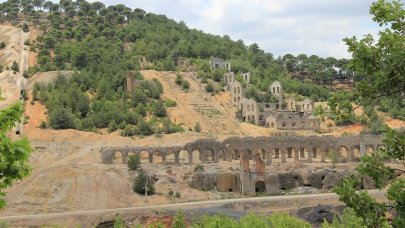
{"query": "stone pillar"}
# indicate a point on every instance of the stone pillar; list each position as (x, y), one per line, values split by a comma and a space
(363, 149)
(164, 157)
(269, 157)
(350, 153)
(284, 155)
(203, 157)
(190, 157)
(176, 157)
(229, 155)
(296, 154)
(302, 152)
(309, 155)
(124, 157)
(323, 155)
(215, 156)
(150, 157)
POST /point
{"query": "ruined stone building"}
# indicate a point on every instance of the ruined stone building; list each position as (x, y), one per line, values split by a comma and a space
(285, 114)
(218, 63)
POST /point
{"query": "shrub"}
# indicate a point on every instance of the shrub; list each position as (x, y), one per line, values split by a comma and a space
(199, 168)
(15, 67)
(134, 161)
(25, 74)
(160, 109)
(25, 27)
(185, 85)
(209, 88)
(2, 45)
(112, 126)
(197, 127)
(177, 195)
(27, 42)
(170, 103)
(179, 79)
(171, 193)
(43, 125)
(179, 220)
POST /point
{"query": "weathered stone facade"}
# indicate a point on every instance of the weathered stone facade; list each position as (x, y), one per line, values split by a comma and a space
(218, 63)
(287, 115)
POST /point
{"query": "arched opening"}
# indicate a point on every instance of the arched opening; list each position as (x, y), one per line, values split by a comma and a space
(249, 153)
(276, 153)
(272, 124)
(117, 157)
(195, 154)
(183, 156)
(260, 186)
(343, 151)
(235, 155)
(289, 152)
(144, 155)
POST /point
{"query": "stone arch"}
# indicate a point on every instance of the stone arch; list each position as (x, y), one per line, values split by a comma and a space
(195, 156)
(235, 154)
(343, 151)
(260, 186)
(355, 150)
(249, 153)
(262, 153)
(144, 156)
(370, 149)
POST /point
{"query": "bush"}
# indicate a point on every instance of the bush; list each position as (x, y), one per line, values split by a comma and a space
(197, 127)
(43, 125)
(27, 42)
(2, 45)
(209, 88)
(15, 67)
(178, 195)
(25, 74)
(199, 168)
(170, 103)
(179, 220)
(179, 79)
(25, 27)
(171, 193)
(185, 85)
(160, 109)
(134, 161)
(112, 126)
(140, 182)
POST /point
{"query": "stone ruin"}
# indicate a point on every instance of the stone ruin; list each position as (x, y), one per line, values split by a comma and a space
(218, 63)
(285, 114)
(263, 151)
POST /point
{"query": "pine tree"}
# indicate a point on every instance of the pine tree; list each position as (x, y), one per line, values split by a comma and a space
(140, 182)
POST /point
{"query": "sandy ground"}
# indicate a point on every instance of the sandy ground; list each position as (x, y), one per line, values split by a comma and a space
(15, 51)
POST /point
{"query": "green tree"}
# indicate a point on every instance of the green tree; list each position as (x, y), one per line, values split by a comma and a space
(134, 162)
(14, 154)
(381, 62)
(333, 155)
(15, 67)
(140, 182)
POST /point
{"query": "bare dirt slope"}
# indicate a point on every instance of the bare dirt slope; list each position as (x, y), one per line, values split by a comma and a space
(215, 113)
(15, 50)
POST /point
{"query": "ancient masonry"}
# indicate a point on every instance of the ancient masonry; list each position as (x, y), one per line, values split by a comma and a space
(286, 114)
(263, 151)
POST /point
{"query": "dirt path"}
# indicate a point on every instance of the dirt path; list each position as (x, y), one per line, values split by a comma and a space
(265, 204)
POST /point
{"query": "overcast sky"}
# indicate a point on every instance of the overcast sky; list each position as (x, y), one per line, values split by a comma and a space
(278, 26)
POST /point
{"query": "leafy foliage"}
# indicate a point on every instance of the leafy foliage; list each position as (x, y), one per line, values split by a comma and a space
(134, 162)
(14, 155)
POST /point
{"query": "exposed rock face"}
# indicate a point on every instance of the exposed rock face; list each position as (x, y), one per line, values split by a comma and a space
(332, 179)
(317, 214)
(316, 179)
(290, 180)
(204, 181)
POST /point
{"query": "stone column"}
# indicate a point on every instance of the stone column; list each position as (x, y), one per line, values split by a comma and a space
(302, 152)
(310, 155)
(363, 149)
(323, 155)
(269, 157)
(164, 157)
(124, 157)
(150, 157)
(203, 157)
(350, 153)
(296, 154)
(229, 155)
(176, 157)
(190, 157)
(284, 155)
(215, 156)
